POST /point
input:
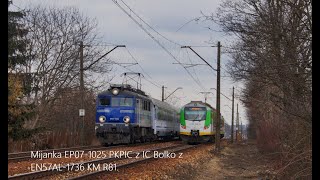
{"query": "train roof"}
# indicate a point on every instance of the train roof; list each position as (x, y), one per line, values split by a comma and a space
(125, 89)
(203, 103)
(200, 102)
(163, 105)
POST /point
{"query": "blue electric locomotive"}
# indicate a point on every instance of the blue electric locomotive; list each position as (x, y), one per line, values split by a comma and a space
(126, 115)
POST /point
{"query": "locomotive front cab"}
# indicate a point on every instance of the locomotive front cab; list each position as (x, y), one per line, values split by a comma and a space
(195, 122)
(119, 109)
(115, 115)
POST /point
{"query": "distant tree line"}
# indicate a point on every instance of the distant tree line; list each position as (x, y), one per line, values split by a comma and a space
(272, 54)
(43, 68)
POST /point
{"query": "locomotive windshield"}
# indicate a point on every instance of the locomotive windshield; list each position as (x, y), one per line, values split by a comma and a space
(116, 101)
(121, 101)
(195, 113)
(105, 101)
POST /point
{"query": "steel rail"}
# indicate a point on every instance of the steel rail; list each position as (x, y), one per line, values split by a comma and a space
(65, 168)
(96, 173)
(21, 156)
(28, 156)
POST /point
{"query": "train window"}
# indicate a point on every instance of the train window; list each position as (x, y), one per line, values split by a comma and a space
(146, 105)
(116, 101)
(105, 101)
(126, 102)
(195, 114)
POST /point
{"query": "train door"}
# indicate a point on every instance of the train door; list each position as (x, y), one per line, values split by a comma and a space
(138, 111)
(153, 115)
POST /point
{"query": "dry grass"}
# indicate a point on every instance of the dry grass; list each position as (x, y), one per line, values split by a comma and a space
(50, 141)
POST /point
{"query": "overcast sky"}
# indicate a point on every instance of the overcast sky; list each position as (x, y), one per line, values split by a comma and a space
(166, 17)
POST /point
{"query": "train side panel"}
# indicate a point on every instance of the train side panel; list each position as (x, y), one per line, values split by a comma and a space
(166, 120)
(143, 111)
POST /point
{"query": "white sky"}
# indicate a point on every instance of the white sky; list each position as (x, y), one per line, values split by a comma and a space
(165, 16)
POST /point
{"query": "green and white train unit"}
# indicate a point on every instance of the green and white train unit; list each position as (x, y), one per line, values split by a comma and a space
(197, 122)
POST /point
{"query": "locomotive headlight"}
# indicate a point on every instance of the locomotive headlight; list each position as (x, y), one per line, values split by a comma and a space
(115, 91)
(102, 119)
(126, 119)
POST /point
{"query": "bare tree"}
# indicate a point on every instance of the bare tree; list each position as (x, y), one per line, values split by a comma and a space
(273, 56)
(54, 36)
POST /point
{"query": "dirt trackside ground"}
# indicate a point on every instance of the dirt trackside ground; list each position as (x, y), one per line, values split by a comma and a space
(235, 161)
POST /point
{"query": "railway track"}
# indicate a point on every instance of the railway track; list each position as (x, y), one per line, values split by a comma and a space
(22, 156)
(85, 174)
(92, 175)
(14, 157)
